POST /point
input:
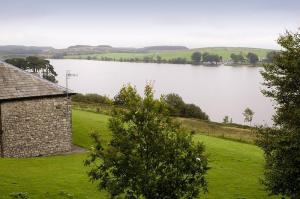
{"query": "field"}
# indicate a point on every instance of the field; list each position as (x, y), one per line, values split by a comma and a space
(235, 132)
(221, 51)
(235, 168)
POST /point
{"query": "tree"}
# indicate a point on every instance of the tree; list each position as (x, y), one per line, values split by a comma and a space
(193, 111)
(35, 65)
(205, 57)
(211, 58)
(237, 58)
(18, 62)
(196, 58)
(281, 143)
(175, 104)
(149, 155)
(124, 93)
(177, 107)
(270, 56)
(226, 119)
(248, 115)
(252, 58)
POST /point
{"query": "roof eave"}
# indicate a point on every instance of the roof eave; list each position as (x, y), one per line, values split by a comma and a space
(37, 97)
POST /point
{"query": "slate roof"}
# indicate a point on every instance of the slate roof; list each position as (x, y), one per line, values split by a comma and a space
(16, 83)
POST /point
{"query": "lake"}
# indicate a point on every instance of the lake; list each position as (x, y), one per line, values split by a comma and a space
(219, 91)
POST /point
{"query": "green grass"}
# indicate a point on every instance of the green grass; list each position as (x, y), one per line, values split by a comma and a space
(228, 131)
(225, 52)
(84, 123)
(236, 132)
(235, 168)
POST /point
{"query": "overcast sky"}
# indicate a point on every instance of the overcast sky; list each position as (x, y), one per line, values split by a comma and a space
(137, 23)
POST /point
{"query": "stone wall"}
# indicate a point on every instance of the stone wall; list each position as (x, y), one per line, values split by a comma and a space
(36, 127)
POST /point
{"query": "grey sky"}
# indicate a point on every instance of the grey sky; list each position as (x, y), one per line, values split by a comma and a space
(60, 23)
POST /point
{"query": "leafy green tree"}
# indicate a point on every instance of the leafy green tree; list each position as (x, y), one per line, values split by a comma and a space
(48, 71)
(149, 155)
(124, 93)
(281, 144)
(237, 58)
(211, 58)
(177, 107)
(196, 58)
(175, 104)
(252, 58)
(193, 111)
(18, 62)
(248, 115)
(35, 65)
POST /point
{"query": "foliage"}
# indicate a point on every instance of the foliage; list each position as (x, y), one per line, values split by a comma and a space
(193, 111)
(196, 58)
(35, 65)
(125, 92)
(175, 104)
(18, 62)
(281, 144)
(237, 58)
(211, 58)
(248, 115)
(178, 108)
(270, 56)
(91, 98)
(252, 58)
(149, 155)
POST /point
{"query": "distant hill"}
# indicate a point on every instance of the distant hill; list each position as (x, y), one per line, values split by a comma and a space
(162, 48)
(16, 49)
(169, 53)
(116, 53)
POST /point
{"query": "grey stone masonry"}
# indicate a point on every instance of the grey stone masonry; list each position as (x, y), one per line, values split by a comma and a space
(35, 127)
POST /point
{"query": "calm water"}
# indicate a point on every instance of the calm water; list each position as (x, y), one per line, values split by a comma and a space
(219, 91)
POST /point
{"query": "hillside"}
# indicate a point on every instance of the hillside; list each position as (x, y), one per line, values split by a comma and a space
(225, 52)
(64, 176)
(107, 52)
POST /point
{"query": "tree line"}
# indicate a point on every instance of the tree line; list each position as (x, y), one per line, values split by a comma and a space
(251, 58)
(197, 58)
(174, 103)
(36, 65)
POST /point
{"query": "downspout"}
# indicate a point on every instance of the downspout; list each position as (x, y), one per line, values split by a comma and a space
(1, 135)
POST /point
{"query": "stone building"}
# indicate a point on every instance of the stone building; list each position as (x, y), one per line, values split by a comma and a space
(35, 115)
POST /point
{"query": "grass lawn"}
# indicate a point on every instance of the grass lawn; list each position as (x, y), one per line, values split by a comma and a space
(235, 168)
(228, 131)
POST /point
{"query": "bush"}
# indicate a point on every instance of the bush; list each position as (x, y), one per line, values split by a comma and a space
(91, 98)
(178, 108)
(149, 156)
(193, 111)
